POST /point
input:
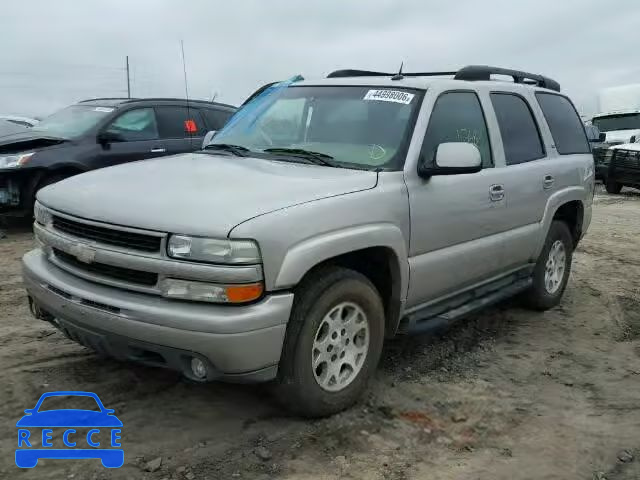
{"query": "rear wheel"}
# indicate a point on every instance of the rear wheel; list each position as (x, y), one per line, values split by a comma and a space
(333, 343)
(612, 186)
(552, 269)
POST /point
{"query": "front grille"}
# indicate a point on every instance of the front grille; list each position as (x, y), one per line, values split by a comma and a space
(109, 271)
(120, 238)
(627, 159)
(598, 155)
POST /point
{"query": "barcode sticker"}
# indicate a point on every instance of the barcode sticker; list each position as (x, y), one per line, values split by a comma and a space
(385, 95)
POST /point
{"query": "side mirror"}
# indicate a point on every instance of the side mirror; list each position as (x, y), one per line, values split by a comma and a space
(208, 137)
(107, 136)
(454, 158)
(593, 133)
(633, 139)
(602, 137)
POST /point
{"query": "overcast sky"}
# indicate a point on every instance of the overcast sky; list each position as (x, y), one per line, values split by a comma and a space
(56, 52)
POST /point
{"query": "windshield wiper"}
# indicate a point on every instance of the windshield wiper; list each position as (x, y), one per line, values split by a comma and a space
(237, 150)
(315, 157)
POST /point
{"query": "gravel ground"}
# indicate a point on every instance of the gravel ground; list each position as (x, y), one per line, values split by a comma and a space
(509, 394)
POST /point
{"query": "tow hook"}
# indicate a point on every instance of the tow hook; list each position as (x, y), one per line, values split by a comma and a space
(39, 313)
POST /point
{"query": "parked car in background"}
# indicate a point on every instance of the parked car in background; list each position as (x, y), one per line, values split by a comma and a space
(23, 121)
(599, 149)
(325, 217)
(622, 167)
(619, 116)
(99, 133)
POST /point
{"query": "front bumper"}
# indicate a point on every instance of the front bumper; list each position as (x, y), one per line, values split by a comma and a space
(241, 343)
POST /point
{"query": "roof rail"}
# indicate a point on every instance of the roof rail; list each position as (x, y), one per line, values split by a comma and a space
(103, 98)
(469, 73)
(366, 73)
(484, 72)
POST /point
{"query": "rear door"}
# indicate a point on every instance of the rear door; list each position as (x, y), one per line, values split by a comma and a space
(528, 175)
(137, 131)
(181, 128)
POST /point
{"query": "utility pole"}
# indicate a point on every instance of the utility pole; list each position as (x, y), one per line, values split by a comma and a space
(128, 80)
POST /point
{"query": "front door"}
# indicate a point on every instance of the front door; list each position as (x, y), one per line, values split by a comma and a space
(456, 236)
(137, 138)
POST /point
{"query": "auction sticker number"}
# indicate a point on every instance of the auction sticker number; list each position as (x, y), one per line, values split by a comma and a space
(386, 95)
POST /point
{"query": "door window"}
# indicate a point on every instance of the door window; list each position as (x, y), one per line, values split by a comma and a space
(565, 124)
(135, 125)
(457, 117)
(519, 131)
(180, 122)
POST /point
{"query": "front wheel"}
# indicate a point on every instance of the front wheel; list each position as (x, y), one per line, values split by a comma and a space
(333, 342)
(612, 186)
(551, 273)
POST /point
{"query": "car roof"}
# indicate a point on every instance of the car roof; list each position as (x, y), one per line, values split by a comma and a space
(118, 102)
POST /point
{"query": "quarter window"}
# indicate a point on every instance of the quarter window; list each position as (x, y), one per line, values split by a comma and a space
(216, 119)
(565, 124)
(135, 125)
(519, 131)
(456, 117)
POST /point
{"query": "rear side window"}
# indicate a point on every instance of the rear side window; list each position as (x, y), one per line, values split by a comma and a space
(456, 117)
(216, 119)
(519, 131)
(179, 122)
(565, 124)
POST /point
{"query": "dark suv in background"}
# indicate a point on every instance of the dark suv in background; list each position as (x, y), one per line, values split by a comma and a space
(99, 133)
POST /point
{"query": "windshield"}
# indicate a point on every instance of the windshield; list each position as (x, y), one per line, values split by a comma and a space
(630, 121)
(73, 121)
(67, 402)
(358, 127)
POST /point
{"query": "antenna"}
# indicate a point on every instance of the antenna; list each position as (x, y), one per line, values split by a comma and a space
(188, 124)
(398, 76)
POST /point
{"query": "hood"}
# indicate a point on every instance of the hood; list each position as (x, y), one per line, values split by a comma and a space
(627, 146)
(198, 194)
(69, 418)
(27, 139)
(621, 136)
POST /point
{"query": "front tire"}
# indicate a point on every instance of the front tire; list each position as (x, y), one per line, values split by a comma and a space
(613, 187)
(552, 269)
(333, 342)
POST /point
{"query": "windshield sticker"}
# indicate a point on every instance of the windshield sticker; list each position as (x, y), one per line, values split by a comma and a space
(103, 109)
(395, 96)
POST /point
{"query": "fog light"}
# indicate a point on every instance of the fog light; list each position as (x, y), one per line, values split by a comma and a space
(198, 368)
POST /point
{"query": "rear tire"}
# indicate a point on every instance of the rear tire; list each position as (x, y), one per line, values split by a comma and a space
(613, 187)
(333, 343)
(552, 269)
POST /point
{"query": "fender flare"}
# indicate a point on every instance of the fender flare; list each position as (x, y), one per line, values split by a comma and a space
(302, 257)
(571, 194)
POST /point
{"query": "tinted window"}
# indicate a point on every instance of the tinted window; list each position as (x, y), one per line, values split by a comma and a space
(565, 124)
(456, 117)
(629, 121)
(179, 122)
(519, 131)
(216, 119)
(135, 125)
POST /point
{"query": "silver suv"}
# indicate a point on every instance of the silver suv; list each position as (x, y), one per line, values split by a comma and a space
(326, 216)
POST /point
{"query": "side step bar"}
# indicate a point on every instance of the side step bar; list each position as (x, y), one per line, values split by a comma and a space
(427, 320)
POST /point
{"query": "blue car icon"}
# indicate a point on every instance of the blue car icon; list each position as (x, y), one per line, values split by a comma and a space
(69, 419)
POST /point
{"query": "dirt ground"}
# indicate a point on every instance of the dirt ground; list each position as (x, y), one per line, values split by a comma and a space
(509, 394)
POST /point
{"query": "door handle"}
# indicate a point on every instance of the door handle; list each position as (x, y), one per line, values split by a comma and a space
(158, 150)
(496, 193)
(548, 181)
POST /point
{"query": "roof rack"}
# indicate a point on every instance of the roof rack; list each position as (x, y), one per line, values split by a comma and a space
(468, 73)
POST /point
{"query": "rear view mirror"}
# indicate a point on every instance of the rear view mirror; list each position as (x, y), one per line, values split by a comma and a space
(454, 158)
(208, 137)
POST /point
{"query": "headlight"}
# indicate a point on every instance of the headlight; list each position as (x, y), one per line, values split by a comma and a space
(11, 161)
(41, 214)
(210, 292)
(212, 250)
